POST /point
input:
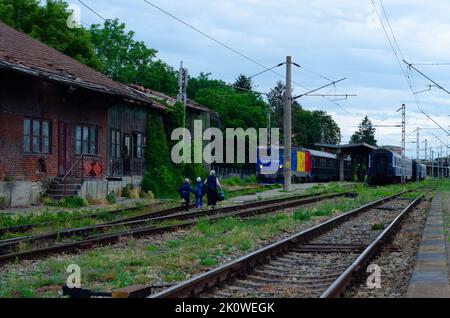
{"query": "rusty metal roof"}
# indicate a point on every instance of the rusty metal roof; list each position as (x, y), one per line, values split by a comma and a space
(22, 53)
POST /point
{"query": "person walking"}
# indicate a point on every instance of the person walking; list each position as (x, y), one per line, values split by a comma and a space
(212, 185)
(185, 193)
(199, 193)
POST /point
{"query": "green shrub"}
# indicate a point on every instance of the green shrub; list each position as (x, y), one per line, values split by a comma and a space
(69, 202)
(111, 198)
(2, 202)
(126, 191)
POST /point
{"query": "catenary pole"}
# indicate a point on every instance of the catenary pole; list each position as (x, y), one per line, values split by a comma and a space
(288, 125)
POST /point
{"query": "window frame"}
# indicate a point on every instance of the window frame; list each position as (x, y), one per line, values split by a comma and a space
(80, 143)
(29, 149)
(116, 143)
(134, 148)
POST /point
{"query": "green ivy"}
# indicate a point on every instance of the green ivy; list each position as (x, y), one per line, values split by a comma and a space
(163, 177)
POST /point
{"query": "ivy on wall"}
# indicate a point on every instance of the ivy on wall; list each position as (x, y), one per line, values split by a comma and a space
(163, 177)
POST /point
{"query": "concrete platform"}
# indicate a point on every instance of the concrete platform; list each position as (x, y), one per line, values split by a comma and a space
(430, 278)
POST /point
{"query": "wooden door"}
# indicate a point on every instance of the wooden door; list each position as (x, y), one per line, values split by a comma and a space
(63, 153)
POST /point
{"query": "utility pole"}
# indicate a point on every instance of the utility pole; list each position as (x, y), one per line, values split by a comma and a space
(432, 163)
(182, 89)
(418, 143)
(403, 109)
(288, 125)
(426, 149)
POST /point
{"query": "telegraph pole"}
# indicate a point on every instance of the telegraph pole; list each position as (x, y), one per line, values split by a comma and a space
(288, 125)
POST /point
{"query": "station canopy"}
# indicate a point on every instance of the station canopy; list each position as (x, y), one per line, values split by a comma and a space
(349, 150)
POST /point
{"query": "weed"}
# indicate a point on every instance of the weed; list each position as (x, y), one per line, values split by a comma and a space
(378, 227)
(111, 198)
(123, 280)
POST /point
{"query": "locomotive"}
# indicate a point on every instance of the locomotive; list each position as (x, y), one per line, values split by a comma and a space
(306, 166)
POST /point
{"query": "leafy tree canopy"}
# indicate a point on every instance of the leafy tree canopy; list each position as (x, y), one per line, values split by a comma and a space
(365, 133)
(308, 127)
(129, 61)
(48, 24)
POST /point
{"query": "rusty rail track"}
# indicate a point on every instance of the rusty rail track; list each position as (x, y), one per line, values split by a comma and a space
(300, 244)
(27, 227)
(245, 210)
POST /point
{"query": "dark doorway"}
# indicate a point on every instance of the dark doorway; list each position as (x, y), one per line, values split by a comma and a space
(63, 153)
(126, 155)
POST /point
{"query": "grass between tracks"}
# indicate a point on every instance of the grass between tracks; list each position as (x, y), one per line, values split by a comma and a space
(81, 217)
(174, 257)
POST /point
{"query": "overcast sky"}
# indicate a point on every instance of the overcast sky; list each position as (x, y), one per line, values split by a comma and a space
(334, 38)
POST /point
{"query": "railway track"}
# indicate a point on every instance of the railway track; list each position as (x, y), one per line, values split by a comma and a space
(320, 262)
(70, 240)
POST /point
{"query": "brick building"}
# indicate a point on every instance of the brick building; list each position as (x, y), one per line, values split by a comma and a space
(65, 129)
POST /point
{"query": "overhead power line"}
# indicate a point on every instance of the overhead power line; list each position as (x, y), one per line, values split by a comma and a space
(408, 76)
(92, 10)
(232, 49)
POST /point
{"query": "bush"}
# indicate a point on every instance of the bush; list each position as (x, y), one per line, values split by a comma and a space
(2, 202)
(147, 195)
(111, 198)
(126, 191)
(134, 193)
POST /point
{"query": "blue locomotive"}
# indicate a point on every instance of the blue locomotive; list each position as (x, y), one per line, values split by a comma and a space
(306, 166)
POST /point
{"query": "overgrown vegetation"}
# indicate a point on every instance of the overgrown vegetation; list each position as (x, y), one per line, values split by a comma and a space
(3, 202)
(205, 246)
(69, 203)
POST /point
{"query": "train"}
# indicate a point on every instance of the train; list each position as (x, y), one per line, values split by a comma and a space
(306, 166)
(419, 171)
(387, 166)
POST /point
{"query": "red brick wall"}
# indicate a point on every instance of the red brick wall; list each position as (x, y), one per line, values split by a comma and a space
(22, 97)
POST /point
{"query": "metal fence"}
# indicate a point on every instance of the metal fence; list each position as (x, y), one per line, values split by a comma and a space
(227, 173)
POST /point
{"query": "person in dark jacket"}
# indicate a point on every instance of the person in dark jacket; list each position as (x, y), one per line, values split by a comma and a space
(185, 193)
(199, 193)
(212, 185)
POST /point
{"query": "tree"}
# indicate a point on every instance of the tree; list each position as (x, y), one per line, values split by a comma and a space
(237, 109)
(308, 128)
(365, 133)
(244, 82)
(48, 24)
(129, 61)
